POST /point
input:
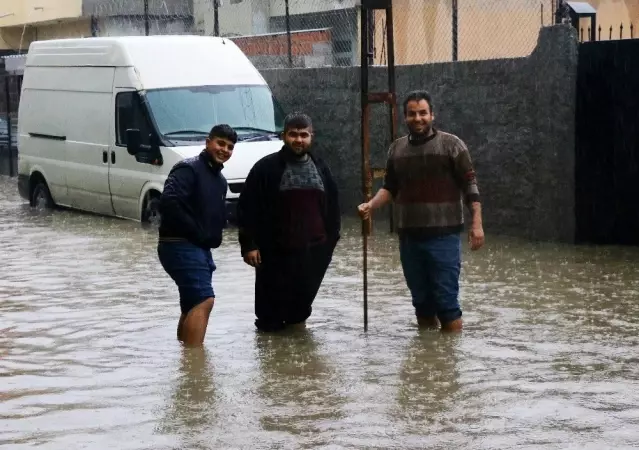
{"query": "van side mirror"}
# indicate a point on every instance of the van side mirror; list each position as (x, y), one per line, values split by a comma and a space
(133, 141)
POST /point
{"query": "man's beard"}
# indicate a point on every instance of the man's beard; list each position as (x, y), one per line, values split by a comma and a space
(299, 152)
(424, 132)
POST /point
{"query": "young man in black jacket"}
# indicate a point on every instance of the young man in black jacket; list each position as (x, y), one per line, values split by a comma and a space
(289, 223)
(192, 211)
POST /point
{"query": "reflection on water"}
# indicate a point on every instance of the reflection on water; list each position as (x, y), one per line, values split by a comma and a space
(192, 402)
(296, 388)
(88, 356)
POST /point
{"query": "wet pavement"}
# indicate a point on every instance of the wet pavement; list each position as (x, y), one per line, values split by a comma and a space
(548, 359)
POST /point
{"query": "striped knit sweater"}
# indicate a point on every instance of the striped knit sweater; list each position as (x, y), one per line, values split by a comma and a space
(430, 179)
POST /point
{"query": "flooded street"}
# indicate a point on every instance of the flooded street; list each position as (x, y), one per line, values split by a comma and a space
(548, 359)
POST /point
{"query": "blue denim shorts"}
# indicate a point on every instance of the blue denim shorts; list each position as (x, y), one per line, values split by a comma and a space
(432, 267)
(191, 267)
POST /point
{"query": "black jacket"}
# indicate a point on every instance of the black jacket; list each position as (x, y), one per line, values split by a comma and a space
(257, 206)
(193, 202)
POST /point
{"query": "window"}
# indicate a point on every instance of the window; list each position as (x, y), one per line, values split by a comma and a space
(129, 114)
(198, 108)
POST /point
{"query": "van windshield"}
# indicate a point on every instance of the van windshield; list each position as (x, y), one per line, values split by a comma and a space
(189, 113)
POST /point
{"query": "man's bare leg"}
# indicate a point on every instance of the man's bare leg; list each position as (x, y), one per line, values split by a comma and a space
(180, 326)
(428, 322)
(193, 329)
(452, 327)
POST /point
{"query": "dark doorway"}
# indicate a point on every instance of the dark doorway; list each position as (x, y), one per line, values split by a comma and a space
(607, 143)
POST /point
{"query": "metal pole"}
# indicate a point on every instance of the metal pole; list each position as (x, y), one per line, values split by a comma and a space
(7, 93)
(216, 17)
(559, 12)
(390, 37)
(390, 44)
(146, 17)
(94, 26)
(455, 30)
(288, 34)
(366, 182)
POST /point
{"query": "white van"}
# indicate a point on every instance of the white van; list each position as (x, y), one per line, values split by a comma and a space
(103, 120)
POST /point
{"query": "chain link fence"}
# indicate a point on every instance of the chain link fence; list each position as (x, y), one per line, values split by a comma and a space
(462, 30)
(316, 33)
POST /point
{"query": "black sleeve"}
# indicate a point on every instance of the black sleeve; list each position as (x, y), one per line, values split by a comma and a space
(248, 211)
(390, 178)
(175, 210)
(334, 216)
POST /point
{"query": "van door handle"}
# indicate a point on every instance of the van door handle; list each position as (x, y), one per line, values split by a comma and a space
(112, 157)
(104, 157)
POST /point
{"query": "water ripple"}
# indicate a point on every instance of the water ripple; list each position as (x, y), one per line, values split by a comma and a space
(88, 356)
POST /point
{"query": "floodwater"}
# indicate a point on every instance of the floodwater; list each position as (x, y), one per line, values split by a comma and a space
(549, 358)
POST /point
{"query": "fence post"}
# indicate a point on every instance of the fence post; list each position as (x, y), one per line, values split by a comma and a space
(216, 17)
(559, 12)
(146, 17)
(288, 33)
(94, 26)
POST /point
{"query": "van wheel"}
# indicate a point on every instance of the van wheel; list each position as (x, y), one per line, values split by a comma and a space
(41, 198)
(151, 213)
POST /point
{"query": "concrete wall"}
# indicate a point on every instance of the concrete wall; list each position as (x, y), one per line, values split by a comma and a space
(18, 38)
(516, 115)
(278, 7)
(103, 8)
(21, 12)
(235, 19)
(134, 26)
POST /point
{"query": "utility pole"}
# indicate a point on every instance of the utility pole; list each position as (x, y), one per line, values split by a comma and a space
(368, 7)
(455, 30)
(146, 17)
(288, 33)
(216, 17)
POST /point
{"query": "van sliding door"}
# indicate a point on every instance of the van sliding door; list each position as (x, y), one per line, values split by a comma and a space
(86, 101)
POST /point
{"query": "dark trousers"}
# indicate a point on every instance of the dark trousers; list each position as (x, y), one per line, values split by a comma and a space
(287, 283)
(432, 268)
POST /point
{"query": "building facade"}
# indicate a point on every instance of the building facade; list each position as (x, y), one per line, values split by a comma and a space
(24, 21)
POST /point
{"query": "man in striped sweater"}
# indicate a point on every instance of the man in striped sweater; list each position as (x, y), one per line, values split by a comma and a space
(430, 176)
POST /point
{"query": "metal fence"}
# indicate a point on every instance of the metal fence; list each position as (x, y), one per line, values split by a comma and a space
(607, 33)
(311, 33)
(315, 33)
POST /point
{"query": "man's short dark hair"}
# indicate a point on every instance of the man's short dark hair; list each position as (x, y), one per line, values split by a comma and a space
(223, 131)
(297, 120)
(417, 96)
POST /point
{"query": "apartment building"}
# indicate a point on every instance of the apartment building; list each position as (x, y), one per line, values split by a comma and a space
(23, 21)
